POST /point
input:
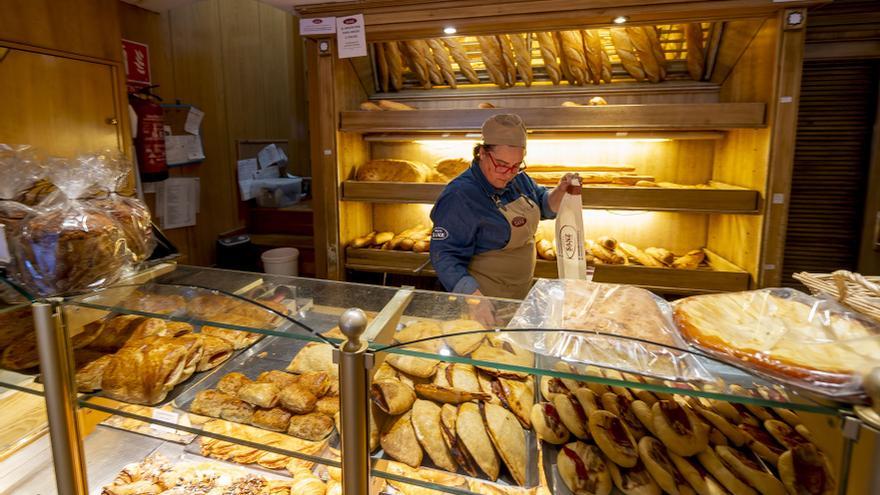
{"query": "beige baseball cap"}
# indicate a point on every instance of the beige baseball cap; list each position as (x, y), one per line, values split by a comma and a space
(504, 128)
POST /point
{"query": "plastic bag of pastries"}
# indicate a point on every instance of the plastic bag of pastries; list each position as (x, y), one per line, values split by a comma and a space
(20, 171)
(67, 245)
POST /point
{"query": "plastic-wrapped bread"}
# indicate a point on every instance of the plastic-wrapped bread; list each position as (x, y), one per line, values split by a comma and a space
(626, 52)
(696, 61)
(415, 59)
(382, 66)
(642, 45)
(520, 44)
(654, 39)
(490, 50)
(464, 65)
(441, 58)
(689, 261)
(395, 65)
(573, 50)
(600, 64)
(547, 44)
(509, 59)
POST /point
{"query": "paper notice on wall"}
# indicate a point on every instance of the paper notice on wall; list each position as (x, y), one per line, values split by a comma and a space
(350, 38)
(269, 156)
(317, 25)
(183, 149)
(177, 201)
(193, 120)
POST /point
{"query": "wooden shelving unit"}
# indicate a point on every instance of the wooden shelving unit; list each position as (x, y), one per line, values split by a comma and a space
(682, 117)
(723, 276)
(611, 197)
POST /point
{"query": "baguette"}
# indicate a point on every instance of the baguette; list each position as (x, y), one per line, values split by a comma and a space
(416, 61)
(654, 38)
(571, 104)
(382, 66)
(689, 261)
(664, 256)
(369, 106)
(626, 52)
(622, 254)
(607, 242)
(406, 244)
(509, 59)
(485, 104)
(393, 105)
(441, 58)
(464, 65)
(604, 255)
(433, 71)
(555, 167)
(642, 45)
(490, 50)
(573, 49)
(631, 180)
(696, 61)
(382, 237)
(395, 65)
(549, 53)
(594, 51)
(422, 246)
(638, 255)
(563, 63)
(520, 44)
(364, 240)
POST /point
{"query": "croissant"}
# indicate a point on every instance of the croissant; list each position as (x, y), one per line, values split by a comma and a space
(308, 485)
(144, 374)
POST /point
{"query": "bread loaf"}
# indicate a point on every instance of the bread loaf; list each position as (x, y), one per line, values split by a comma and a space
(625, 50)
(547, 44)
(654, 39)
(393, 105)
(382, 238)
(369, 106)
(662, 255)
(594, 51)
(571, 104)
(520, 44)
(415, 59)
(696, 61)
(559, 167)
(509, 59)
(451, 167)
(464, 65)
(563, 63)
(689, 261)
(490, 50)
(642, 45)
(441, 58)
(364, 240)
(393, 170)
(395, 65)
(382, 66)
(422, 246)
(638, 255)
(573, 50)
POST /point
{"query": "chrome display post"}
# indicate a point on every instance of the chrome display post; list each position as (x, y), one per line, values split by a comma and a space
(354, 382)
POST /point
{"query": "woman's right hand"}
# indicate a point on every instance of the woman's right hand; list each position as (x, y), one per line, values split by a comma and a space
(482, 310)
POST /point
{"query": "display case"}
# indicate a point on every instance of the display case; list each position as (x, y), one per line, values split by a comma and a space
(442, 392)
(699, 155)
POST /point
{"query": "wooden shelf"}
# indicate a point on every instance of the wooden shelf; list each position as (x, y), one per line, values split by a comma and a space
(617, 198)
(723, 277)
(679, 116)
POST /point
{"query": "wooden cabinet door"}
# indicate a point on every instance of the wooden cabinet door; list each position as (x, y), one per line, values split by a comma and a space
(62, 106)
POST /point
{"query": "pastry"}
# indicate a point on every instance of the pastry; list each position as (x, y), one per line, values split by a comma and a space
(573, 51)
(231, 382)
(393, 170)
(395, 65)
(318, 383)
(411, 365)
(209, 403)
(523, 56)
(689, 261)
(505, 353)
(474, 441)
(441, 59)
(90, 371)
(115, 332)
(633, 481)
(656, 460)
(447, 395)
(392, 396)
(238, 338)
(621, 406)
(696, 60)
(195, 349)
(399, 441)
(588, 400)
(547, 424)
(237, 410)
(278, 377)
(696, 475)
(678, 428)
(460, 56)
(805, 470)
(463, 377)
(259, 394)
(426, 423)
(626, 52)
(572, 415)
(736, 436)
(645, 51)
(312, 426)
(144, 374)
(449, 430)
(459, 338)
(313, 357)
(490, 50)
(329, 405)
(639, 256)
(420, 330)
(549, 54)
(509, 439)
(709, 459)
(784, 434)
(295, 398)
(717, 438)
(645, 414)
(611, 435)
(517, 396)
(748, 469)
(450, 168)
(275, 419)
(582, 469)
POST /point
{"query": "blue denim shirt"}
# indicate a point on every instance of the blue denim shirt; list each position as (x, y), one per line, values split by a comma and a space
(467, 222)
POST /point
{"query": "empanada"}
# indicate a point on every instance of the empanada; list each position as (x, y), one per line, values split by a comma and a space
(428, 430)
(400, 443)
(509, 439)
(411, 365)
(392, 396)
(459, 338)
(462, 377)
(313, 357)
(474, 439)
(447, 395)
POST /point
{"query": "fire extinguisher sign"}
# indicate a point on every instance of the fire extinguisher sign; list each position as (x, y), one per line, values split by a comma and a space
(137, 64)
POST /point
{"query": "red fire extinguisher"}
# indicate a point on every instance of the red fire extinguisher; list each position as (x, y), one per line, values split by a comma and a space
(149, 142)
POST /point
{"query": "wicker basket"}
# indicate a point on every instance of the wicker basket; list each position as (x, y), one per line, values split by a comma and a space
(852, 289)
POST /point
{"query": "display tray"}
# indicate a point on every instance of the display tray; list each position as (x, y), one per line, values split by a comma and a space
(724, 278)
(604, 197)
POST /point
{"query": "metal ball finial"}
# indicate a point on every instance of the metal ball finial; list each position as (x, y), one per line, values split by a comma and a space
(353, 324)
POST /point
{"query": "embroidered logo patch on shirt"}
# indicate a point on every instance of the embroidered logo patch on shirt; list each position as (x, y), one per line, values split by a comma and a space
(518, 221)
(439, 234)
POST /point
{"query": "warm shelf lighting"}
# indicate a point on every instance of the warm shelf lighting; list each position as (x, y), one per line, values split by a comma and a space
(450, 30)
(621, 19)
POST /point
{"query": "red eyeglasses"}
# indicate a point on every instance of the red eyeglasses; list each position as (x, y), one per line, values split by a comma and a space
(501, 169)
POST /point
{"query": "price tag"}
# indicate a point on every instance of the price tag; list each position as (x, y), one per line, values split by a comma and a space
(4, 247)
(168, 417)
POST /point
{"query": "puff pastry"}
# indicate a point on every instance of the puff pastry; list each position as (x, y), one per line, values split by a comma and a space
(231, 382)
(144, 374)
(238, 338)
(275, 419)
(259, 394)
(297, 399)
(90, 370)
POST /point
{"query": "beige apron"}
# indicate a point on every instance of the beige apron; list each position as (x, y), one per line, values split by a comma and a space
(508, 272)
